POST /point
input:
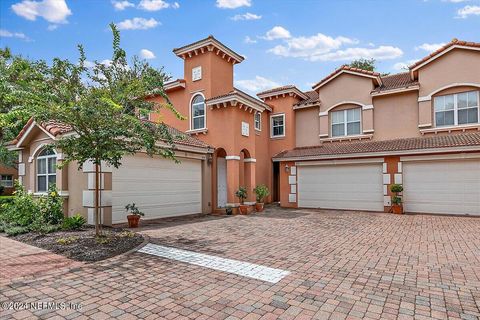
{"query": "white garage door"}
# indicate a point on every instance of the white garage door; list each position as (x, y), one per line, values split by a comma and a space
(356, 187)
(451, 187)
(159, 187)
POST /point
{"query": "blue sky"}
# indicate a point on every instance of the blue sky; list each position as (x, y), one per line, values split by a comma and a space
(284, 41)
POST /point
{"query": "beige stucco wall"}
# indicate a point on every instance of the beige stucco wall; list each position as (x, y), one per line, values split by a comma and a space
(307, 127)
(396, 116)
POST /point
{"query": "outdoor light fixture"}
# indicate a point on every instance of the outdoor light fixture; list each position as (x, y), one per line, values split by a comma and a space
(287, 168)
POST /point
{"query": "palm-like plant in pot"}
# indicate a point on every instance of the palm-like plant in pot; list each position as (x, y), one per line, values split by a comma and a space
(241, 194)
(134, 215)
(261, 192)
(397, 206)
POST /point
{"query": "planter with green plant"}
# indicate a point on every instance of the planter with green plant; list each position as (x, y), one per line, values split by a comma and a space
(261, 192)
(397, 206)
(134, 216)
(241, 194)
(229, 210)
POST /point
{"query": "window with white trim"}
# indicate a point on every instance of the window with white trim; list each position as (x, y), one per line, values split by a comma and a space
(6, 181)
(457, 109)
(346, 122)
(46, 169)
(258, 120)
(198, 112)
(277, 123)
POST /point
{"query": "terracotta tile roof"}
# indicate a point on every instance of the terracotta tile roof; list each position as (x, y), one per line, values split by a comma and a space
(396, 81)
(330, 149)
(290, 86)
(238, 92)
(210, 40)
(312, 98)
(448, 45)
(345, 68)
(56, 128)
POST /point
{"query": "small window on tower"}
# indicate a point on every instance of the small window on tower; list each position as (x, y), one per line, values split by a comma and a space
(197, 73)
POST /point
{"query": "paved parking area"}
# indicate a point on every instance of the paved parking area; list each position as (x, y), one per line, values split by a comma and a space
(341, 265)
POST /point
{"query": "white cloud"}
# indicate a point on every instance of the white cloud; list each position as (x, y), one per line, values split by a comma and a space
(52, 27)
(54, 11)
(455, 1)
(309, 47)
(430, 47)
(147, 54)
(277, 32)
(122, 5)
(380, 53)
(403, 66)
(232, 4)
(257, 84)
(249, 40)
(7, 34)
(155, 5)
(246, 16)
(138, 24)
(467, 11)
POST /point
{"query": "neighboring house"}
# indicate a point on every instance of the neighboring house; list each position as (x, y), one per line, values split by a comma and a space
(339, 146)
(7, 177)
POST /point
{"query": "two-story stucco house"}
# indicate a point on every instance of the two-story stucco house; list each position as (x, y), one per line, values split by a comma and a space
(339, 146)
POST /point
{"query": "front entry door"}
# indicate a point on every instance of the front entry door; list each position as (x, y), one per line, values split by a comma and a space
(221, 182)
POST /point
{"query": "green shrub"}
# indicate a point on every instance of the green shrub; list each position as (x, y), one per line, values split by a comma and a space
(396, 188)
(22, 211)
(67, 240)
(51, 206)
(6, 199)
(241, 194)
(261, 192)
(73, 223)
(16, 230)
(2, 188)
(48, 228)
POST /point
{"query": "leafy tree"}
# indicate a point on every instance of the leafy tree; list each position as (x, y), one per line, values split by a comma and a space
(364, 64)
(22, 85)
(102, 105)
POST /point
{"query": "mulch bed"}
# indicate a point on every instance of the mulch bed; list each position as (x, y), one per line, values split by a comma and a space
(82, 245)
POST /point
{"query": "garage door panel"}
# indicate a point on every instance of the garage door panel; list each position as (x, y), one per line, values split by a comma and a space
(450, 187)
(356, 187)
(159, 187)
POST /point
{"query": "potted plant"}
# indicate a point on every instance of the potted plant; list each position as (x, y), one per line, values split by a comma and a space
(241, 194)
(261, 192)
(134, 215)
(229, 210)
(397, 206)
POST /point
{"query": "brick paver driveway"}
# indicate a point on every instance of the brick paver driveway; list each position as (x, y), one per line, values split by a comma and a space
(342, 265)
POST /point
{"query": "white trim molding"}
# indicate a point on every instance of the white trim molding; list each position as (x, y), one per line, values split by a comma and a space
(347, 102)
(232, 158)
(441, 157)
(424, 125)
(393, 91)
(448, 86)
(367, 107)
(250, 160)
(338, 162)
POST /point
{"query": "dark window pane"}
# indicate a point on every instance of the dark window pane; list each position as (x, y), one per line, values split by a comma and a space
(42, 183)
(198, 123)
(449, 120)
(198, 110)
(440, 119)
(338, 130)
(52, 180)
(51, 165)
(473, 99)
(278, 131)
(278, 121)
(462, 116)
(353, 128)
(462, 100)
(42, 166)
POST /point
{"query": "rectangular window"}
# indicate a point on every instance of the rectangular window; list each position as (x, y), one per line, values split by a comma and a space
(346, 122)
(46, 173)
(277, 123)
(258, 121)
(456, 109)
(6, 181)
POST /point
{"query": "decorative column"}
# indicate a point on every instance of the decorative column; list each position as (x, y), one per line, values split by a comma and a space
(233, 179)
(392, 174)
(105, 202)
(250, 178)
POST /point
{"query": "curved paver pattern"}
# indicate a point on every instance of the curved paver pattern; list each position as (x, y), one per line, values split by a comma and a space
(341, 264)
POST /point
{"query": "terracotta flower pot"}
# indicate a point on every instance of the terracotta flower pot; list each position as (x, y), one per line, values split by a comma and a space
(397, 208)
(133, 220)
(243, 209)
(259, 206)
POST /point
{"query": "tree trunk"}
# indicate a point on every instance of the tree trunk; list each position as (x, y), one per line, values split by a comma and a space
(97, 198)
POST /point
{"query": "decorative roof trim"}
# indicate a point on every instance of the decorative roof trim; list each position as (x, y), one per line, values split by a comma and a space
(380, 153)
(448, 86)
(238, 96)
(396, 90)
(208, 44)
(306, 105)
(273, 93)
(346, 69)
(175, 84)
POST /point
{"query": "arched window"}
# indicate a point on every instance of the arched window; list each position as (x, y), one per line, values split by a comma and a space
(46, 169)
(198, 112)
